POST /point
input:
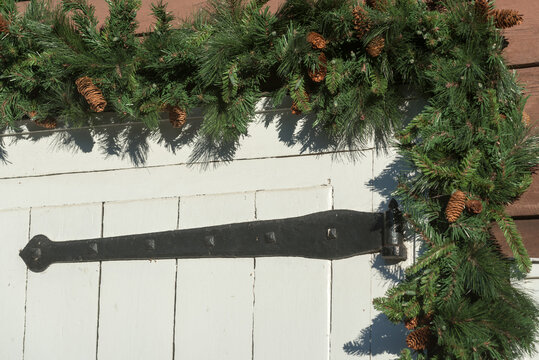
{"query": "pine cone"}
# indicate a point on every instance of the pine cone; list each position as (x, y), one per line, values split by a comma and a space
(435, 5)
(4, 25)
(177, 116)
(375, 47)
(506, 18)
(411, 324)
(31, 114)
(48, 123)
(419, 339)
(482, 7)
(295, 109)
(91, 93)
(361, 21)
(526, 118)
(455, 206)
(316, 40)
(474, 206)
(320, 74)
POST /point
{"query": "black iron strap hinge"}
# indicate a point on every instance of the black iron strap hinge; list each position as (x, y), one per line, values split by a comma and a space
(333, 234)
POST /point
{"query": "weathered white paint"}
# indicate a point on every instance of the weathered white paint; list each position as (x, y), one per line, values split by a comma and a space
(168, 181)
(292, 309)
(351, 308)
(209, 210)
(13, 235)
(136, 319)
(214, 306)
(62, 301)
(214, 309)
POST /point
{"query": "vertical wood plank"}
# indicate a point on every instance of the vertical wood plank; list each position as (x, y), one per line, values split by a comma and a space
(215, 296)
(61, 318)
(214, 310)
(14, 233)
(351, 308)
(136, 317)
(292, 309)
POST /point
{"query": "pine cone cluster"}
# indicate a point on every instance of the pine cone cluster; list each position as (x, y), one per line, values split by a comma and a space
(361, 21)
(375, 46)
(455, 206)
(474, 206)
(316, 40)
(177, 116)
(506, 18)
(4, 25)
(419, 339)
(91, 93)
(48, 123)
(320, 74)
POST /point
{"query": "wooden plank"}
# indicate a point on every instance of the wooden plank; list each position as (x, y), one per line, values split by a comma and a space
(166, 181)
(215, 304)
(351, 309)
(14, 235)
(277, 204)
(209, 210)
(62, 301)
(530, 79)
(528, 228)
(523, 39)
(136, 316)
(292, 309)
(215, 296)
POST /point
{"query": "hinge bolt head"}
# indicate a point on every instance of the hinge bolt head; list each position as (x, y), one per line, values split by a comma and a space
(209, 240)
(332, 234)
(270, 237)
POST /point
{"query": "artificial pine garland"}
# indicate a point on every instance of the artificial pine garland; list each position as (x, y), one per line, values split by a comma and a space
(343, 61)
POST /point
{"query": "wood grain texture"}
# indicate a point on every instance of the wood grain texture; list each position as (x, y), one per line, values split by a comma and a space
(529, 229)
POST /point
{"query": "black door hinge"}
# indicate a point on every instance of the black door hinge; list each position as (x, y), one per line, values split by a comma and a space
(333, 234)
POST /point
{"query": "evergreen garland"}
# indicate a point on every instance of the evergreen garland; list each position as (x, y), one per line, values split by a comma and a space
(343, 61)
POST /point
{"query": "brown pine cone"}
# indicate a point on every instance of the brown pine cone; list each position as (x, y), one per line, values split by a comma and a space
(506, 18)
(295, 109)
(4, 25)
(455, 206)
(411, 324)
(419, 339)
(316, 40)
(177, 116)
(91, 93)
(320, 74)
(526, 118)
(48, 123)
(361, 21)
(375, 46)
(474, 206)
(482, 7)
